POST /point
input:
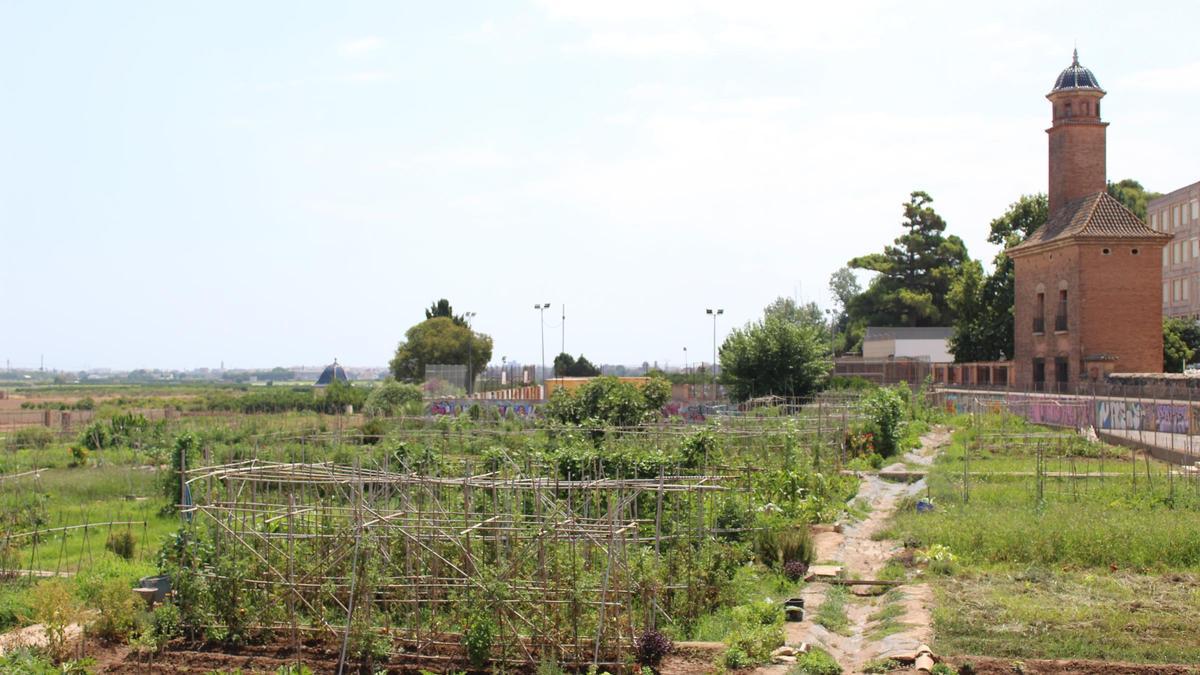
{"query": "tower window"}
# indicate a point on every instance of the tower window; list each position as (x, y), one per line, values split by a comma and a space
(1133, 251)
(1106, 251)
(1067, 110)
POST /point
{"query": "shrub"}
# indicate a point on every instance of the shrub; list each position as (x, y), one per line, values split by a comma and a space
(736, 659)
(38, 438)
(815, 662)
(165, 622)
(796, 545)
(758, 630)
(795, 569)
(53, 606)
(122, 543)
(79, 456)
(477, 640)
(96, 436)
(885, 409)
(117, 609)
(652, 646)
(391, 398)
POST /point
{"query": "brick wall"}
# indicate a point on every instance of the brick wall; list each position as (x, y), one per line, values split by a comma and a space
(1113, 307)
(1049, 270)
(1077, 163)
(1121, 303)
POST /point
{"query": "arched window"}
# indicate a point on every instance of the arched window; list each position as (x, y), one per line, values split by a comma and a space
(1067, 111)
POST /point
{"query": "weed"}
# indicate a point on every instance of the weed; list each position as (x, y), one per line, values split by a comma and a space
(881, 666)
(832, 611)
(55, 608)
(815, 662)
(117, 609)
(122, 543)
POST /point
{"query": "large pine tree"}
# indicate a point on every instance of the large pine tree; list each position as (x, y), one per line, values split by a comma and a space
(915, 272)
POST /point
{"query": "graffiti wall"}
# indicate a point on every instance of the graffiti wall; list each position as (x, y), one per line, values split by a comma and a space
(689, 411)
(1078, 412)
(505, 409)
(1176, 418)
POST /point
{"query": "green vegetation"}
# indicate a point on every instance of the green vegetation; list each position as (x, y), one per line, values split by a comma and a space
(832, 612)
(608, 401)
(816, 661)
(1045, 545)
(566, 365)
(442, 338)
(914, 274)
(1181, 339)
(775, 356)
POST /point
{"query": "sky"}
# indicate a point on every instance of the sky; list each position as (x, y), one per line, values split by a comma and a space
(282, 183)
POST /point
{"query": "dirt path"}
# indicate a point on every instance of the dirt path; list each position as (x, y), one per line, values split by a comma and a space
(869, 635)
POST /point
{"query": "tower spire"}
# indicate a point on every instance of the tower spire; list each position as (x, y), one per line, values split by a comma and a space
(1075, 57)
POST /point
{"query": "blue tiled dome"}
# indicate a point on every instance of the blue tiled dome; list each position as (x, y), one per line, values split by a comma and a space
(1076, 76)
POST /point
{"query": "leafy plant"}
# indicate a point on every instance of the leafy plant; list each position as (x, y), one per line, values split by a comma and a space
(54, 607)
(117, 609)
(652, 646)
(885, 409)
(815, 662)
(736, 658)
(478, 638)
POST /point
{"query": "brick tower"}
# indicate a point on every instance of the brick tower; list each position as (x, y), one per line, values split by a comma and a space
(1076, 136)
(1088, 281)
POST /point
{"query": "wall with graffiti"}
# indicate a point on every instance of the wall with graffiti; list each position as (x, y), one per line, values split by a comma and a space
(1176, 418)
(505, 409)
(1078, 411)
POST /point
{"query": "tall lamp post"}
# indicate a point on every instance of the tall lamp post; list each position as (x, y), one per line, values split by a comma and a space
(542, 307)
(715, 313)
(687, 379)
(470, 354)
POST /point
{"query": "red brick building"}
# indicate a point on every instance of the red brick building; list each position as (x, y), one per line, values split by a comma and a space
(1088, 282)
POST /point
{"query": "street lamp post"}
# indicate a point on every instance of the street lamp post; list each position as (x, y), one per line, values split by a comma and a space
(542, 307)
(687, 377)
(470, 354)
(715, 313)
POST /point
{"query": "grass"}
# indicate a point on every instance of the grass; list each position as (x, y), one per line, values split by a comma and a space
(1043, 614)
(1097, 568)
(832, 611)
(887, 618)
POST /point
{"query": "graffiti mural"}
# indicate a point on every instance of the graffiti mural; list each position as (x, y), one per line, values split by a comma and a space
(505, 409)
(690, 412)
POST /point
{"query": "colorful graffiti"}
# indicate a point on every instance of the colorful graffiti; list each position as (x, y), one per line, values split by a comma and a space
(690, 412)
(1121, 415)
(1079, 412)
(504, 409)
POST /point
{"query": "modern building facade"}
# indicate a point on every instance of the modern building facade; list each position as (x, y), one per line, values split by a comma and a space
(1178, 214)
(1088, 281)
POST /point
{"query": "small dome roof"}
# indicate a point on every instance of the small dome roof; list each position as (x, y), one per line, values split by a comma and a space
(1076, 76)
(332, 372)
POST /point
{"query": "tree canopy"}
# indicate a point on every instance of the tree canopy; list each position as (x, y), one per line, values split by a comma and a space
(982, 305)
(914, 274)
(774, 356)
(442, 308)
(566, 365)
(1181, 340)
(440, 339)
(1131, 193)
(609, 401)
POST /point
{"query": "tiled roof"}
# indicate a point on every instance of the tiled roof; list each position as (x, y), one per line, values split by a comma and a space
(1096, 216)
(1076, 76)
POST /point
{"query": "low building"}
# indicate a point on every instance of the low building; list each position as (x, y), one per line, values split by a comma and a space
(930, 344)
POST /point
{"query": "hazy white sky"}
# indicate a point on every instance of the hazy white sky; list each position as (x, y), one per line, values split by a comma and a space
(281, 183)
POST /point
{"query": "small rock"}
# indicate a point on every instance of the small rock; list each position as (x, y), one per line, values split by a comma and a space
(784, 651)
(784, 659)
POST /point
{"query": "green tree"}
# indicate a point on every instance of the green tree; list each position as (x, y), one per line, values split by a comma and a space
(442, 308)
(844, 286)
(1181, 338)
(982, 305)
(440, 340)
(1131, 193)
(788, 309)
(774, 356)
(609, 401)
(391, 398)
(914, 274)
(565, 365)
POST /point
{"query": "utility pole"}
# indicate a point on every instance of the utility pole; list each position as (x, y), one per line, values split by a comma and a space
(715, 313)
(470, 354)
(542, 307)
(563, 344)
